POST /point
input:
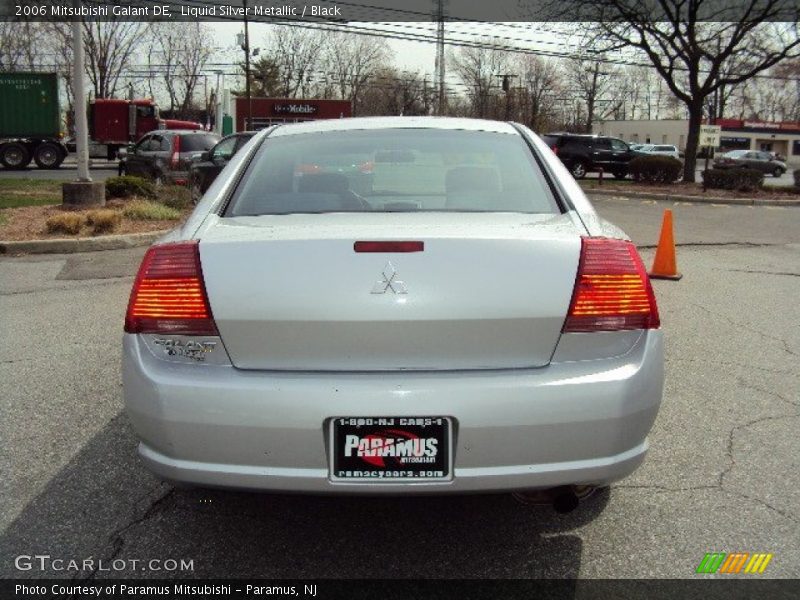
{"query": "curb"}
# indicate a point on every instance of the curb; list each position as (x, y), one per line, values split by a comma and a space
(693, 199)
(67, 246)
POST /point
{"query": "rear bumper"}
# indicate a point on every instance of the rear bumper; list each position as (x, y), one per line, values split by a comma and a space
(582, 422)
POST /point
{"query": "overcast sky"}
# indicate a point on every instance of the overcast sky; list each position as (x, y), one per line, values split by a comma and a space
(416, 55)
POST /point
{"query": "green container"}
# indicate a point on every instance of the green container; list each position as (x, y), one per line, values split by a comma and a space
(227, 125)
(29, 105)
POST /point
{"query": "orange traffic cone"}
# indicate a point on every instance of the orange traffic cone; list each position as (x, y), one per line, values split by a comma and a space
(664, 265)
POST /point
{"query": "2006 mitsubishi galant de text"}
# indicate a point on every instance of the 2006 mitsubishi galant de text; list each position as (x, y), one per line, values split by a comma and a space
(393, 305)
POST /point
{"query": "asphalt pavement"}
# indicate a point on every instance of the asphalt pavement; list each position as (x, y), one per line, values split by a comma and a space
(98, 171)
(721, 475)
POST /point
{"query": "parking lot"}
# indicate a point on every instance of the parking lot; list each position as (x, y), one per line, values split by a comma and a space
(722, 473)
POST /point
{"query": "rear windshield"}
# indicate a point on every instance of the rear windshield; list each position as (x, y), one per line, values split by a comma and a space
(198, 142)
(393, 170)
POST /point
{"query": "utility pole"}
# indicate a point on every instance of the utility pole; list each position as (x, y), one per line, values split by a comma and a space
(506, 85)
(79, 93)
(249, 124)
(83, 191)
(439, 11)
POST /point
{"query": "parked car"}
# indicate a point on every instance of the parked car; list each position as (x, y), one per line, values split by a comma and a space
(467, 324)
(660, 149)
(164, 155)
(751, 159)
(584, 153)
(204, 170)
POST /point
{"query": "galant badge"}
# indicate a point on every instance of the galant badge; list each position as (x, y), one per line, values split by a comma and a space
(389, 281)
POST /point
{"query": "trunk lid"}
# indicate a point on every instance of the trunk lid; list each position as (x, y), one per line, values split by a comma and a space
(489, 290)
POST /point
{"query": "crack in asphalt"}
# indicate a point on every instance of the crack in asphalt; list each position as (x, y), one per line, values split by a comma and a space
(783, 342)
(75, 286)
(730, 454)
(117, 540)
(715, 245)
(725, 363)
(756, 271)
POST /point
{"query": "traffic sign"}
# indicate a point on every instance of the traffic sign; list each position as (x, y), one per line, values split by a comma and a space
(709, 135)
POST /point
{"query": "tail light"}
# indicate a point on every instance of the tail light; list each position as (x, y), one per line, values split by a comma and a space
(366, 167)
(169, 295)
(174, 160)
(555, 149)
(612, 290)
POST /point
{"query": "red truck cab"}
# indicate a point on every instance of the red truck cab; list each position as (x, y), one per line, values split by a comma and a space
(116, 123)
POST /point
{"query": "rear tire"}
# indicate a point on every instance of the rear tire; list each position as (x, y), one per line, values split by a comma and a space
(620, 174)
(48, 156)
(14, 156)
(778, 172)
(578, 170)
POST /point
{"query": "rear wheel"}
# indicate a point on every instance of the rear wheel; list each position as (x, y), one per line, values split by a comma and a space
(48, 156)
(778, 172)
(578, 170)
(14, 156)
(620, 174)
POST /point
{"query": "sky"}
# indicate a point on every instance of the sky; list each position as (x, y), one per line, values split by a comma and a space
(418, 55)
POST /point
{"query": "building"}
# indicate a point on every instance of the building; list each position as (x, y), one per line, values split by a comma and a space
(269, 111)
(780, 137)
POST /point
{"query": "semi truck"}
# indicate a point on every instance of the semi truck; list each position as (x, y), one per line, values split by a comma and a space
(31, 125)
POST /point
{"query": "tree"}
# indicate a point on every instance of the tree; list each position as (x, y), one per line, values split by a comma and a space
(478, 67)
(178, 55)
(541, 83)
(296, 53)
(351, 60)
(266, 77)
(109, 47)
(19, 48)
(390, 92)
(698, 47)
(594, 83)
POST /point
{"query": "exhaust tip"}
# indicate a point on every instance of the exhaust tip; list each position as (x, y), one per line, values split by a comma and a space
(565, 501)
(562, 499)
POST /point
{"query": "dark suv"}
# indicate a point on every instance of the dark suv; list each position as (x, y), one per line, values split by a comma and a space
(164, 155)
(584, 153)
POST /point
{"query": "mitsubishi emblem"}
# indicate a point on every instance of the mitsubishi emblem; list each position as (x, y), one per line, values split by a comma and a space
(388, 281)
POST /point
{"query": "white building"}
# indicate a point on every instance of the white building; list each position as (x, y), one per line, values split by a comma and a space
(782, 138)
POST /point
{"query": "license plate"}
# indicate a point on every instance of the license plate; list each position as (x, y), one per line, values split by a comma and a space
(390, 448)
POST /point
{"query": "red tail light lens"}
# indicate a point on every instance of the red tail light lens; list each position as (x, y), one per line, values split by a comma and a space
(169, 295)
(555, 150)
(612, 289)
(389, 246)
(176, 152)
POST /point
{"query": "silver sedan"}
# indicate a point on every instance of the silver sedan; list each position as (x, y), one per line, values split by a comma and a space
(393, 305)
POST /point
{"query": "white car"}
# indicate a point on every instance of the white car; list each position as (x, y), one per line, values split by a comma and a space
(466, 322)
(662, 149)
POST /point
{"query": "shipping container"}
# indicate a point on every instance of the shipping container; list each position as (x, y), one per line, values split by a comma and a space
(30, 105)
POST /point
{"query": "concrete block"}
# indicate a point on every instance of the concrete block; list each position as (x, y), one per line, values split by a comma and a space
(83, 193)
